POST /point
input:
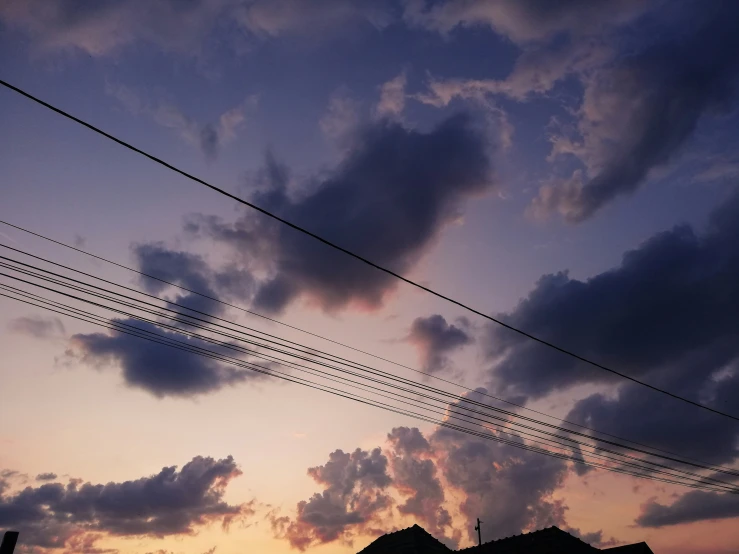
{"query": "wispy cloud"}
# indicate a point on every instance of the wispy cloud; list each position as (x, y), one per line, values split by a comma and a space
(392, 97)
(209, 137)
(37, 327)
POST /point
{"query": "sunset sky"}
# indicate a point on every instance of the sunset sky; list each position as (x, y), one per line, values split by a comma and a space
(568, 166)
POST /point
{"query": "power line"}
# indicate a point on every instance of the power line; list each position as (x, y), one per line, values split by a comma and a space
(310, 352)
(354, 255)
(251, 312)
(701, 483)
(454, 398)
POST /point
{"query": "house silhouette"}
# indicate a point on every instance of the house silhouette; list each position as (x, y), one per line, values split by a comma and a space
(552, 540)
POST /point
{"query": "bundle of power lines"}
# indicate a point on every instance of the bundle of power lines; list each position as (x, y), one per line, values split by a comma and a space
(68, 291)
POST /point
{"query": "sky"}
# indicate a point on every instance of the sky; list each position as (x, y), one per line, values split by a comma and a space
(569, 167)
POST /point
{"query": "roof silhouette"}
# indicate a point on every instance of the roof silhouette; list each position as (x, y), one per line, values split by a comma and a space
(552, 540)
(413, 540)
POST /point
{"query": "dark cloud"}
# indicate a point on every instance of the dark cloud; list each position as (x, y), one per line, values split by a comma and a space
(525, 21)
(182, 268)
(46, 477)
(671, 297)
(690, 507)
(506, 487)
(354, 495)
(408, 440)
(156, 368)
(663, 424)
(593, 539)
(415, 477)
(666, 315)
(192, 272)
(209, 141)
(387, 200)
(37, 326)
(171, 502)
(638, 112)
(434, 339)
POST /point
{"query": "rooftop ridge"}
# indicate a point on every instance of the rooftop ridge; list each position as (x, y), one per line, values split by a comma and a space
(415, 531)
(539, 532)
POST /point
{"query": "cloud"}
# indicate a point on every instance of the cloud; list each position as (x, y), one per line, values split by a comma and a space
(415, 477)
(662, 423)
(665, 315)
(392, 97)
(171, 502)
(37, 327)
(46, 477)
(408, 441)
(638, 113)
(187, 28)
(102, 28)
(83, 543)
(444, 479)
(159, 369)
(209, 551)
(536, 71)
(434, 339)
(593, 539)
(341, 118)
(506, 487)
(209, 137)
(719, 168)
(388, 200)
(690, 507)
(641, 101)
(156, 368)
(276, 17)
(192, 272)
(524, 21)
(11, 476)
(354, 495)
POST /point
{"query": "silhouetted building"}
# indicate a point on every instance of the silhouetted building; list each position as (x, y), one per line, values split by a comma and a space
(552, 540)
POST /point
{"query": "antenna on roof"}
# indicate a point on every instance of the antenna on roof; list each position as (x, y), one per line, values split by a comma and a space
(479, 534)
